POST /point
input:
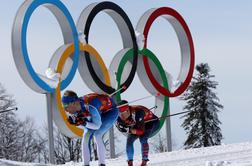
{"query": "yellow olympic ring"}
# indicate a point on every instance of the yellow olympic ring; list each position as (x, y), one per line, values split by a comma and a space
(66, 54)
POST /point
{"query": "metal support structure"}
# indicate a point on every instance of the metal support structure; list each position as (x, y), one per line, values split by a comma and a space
(112, 143)
(168, 133)
(50, 127)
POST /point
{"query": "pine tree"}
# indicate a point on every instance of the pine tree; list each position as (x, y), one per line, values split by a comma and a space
(202, 123)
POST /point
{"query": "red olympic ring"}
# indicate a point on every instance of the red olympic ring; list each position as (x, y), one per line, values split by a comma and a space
(178, 17)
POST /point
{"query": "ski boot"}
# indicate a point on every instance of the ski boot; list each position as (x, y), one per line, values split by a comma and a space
(144, 162)
(130, 162)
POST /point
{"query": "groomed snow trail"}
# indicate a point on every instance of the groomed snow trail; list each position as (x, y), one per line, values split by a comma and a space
(224, 155)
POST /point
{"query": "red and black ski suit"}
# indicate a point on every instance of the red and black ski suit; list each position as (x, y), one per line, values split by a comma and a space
(139, 128)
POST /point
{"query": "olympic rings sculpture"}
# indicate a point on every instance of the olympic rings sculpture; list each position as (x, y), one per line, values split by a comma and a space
(77, 53)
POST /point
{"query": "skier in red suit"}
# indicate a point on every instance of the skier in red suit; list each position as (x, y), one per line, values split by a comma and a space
(138, 122)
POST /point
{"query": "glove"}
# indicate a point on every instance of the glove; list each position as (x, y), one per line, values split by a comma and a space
(123, 129)
(81, 121)
(72, 119)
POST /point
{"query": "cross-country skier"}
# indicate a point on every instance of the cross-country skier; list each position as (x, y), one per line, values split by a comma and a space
(97, 113)
(138, 122)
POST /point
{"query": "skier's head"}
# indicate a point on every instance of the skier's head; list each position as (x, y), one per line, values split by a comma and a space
(124, 111)
(71, 102)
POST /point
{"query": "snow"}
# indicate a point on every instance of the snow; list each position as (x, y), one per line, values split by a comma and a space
(224, 155)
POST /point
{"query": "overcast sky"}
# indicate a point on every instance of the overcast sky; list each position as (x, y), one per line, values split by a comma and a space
(222, 34)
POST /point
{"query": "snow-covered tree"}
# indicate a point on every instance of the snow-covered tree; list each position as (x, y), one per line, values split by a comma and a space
(29, 143)
(8, 136)
(202, 123)
(6, 101)
(120, 141)
(65, 149)
(159, 143)
(18, 139)
(8, 126)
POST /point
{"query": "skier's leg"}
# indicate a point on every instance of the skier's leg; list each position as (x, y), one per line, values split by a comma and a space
(144, 147)
(87, 135)
(130, 146)
(100, 148)
(150, 128)
(108, 119)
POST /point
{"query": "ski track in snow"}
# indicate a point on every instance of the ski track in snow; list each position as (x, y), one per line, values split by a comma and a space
(199, 160)
(224, 155)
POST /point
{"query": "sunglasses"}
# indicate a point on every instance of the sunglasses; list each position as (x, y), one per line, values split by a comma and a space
(65, 105)
(124, 113)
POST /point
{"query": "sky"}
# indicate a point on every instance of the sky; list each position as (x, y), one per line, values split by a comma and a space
(222, 35)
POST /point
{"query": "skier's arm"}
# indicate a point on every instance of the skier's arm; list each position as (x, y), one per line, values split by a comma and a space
(137, 131)
(139, 128)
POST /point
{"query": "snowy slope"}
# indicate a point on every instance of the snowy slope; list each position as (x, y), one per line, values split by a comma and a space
(225, 155)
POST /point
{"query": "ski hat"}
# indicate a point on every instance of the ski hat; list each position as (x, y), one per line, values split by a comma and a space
(69, 97)
(123, 106)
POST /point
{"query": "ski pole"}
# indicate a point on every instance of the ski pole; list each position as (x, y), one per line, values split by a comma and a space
(133, 101)
(166, 116)
(160, 117)
(16, 108)
(146, 97)
(153, 107)
(123, 87)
